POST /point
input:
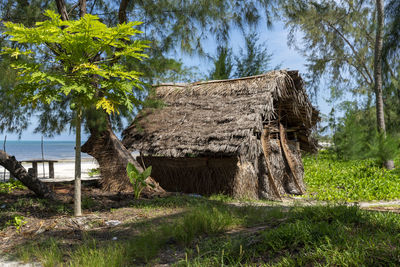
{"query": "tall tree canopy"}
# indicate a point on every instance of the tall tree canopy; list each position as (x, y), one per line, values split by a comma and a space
(341, 39)
(170, 25)
(392, 44)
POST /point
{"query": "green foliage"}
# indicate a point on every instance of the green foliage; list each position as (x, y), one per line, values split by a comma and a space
(384, 147)
(356, 137)
(254, 60)
(169, 25)
(391, 46)
(71, 54)
(203, 220)
(309, 236)
(182, 24)
(48, 252)
(93, 172)
(92, 254)
(18, 221)
(354, 131)
(333, 179)
(337, 39)
(138, 179)
(88, 203)
(222, 64)
(10, 186)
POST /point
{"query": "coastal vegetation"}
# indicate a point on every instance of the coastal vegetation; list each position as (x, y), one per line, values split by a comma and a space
(80, 63)
(331, 178)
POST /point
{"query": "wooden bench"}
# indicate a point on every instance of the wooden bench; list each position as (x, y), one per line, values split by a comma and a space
(35, 162)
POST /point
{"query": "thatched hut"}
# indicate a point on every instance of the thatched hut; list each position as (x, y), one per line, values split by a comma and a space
(240, 137)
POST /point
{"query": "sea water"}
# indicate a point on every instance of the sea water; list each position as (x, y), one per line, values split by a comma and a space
(27, 150)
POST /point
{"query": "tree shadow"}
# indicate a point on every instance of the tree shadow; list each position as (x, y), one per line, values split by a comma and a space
(266, 233)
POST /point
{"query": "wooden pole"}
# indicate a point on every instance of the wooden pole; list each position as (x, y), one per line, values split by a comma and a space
(41, 146)
(4, 149)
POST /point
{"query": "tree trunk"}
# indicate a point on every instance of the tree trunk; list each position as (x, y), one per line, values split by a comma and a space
(378, 68)
(112, 157)
(77, 181)
(62, 9)
(18, 171)
(380, 115)
(82, 8)
(122, 11)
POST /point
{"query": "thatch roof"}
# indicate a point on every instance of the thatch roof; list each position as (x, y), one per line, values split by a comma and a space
(222, 117)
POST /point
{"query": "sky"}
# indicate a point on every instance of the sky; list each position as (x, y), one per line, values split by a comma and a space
(276, 40)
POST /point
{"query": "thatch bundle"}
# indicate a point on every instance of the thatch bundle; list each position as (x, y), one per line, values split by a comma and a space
(209, 137)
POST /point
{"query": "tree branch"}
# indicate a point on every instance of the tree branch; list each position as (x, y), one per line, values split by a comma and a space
(62, 9)
(360, 71)
(122, 11)
(18, 171)
(73, 7)
(352, 49)
(82, 8)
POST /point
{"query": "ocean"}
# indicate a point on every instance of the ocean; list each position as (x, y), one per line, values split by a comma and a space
(26, 150)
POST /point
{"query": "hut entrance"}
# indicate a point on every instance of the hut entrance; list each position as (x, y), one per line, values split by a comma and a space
(289, 154)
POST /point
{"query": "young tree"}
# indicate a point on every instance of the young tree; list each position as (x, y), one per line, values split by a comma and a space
(77, 60)
(254, 60)
(222, 64)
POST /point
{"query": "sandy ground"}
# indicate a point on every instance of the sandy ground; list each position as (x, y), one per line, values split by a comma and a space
(63, 170)
(4, 262)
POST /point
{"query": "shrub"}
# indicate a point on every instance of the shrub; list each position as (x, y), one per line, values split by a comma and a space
(138, 179)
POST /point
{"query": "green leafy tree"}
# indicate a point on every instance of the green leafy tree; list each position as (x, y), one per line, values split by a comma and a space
(76, 60)
(254, 59)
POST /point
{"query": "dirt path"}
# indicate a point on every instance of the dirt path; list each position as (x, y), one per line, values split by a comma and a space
(289, 202)
(4, 262)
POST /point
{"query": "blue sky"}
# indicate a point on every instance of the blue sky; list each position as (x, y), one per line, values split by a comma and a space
(276, 40)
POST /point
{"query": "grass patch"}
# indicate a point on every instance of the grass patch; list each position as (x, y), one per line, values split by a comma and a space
(310, 236)
(331, 179)
(215, 233)
(48, 252)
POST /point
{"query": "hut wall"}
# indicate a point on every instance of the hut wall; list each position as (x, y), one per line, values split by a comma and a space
(245, 184)
(205, 176)
(234, 176)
